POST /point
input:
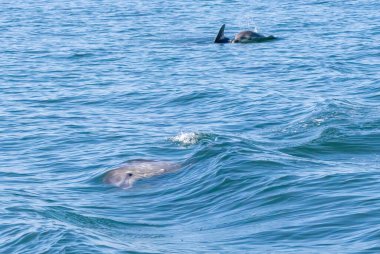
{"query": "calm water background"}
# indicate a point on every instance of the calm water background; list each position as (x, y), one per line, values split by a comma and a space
(280, 141)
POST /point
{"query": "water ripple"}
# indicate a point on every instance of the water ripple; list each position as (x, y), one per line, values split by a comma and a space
(278, 141)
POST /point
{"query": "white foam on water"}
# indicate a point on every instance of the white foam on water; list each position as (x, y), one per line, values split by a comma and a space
(186, 138)
(318, 121)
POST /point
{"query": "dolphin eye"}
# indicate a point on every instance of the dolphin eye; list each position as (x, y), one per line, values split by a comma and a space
(129, 174)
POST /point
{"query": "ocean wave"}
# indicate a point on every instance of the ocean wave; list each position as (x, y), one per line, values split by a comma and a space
(332, 127)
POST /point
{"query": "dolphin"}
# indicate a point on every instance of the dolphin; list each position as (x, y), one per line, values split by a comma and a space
(133, 170)
(242, 37)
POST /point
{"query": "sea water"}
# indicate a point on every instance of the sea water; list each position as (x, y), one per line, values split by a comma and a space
(279, 142)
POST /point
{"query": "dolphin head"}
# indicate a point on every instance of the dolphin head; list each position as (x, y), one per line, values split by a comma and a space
(250, 36)
(125, 176)
(120, 178)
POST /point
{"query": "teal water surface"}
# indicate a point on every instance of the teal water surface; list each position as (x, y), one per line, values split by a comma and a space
(279, 141)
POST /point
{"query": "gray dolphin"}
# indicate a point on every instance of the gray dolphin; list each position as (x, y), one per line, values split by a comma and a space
(242, 37)
(126, 175)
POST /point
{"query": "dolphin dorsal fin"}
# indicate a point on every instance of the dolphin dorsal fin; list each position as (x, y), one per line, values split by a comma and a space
(219, 38)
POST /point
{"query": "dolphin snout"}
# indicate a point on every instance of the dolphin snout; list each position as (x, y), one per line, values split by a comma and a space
(119, 179)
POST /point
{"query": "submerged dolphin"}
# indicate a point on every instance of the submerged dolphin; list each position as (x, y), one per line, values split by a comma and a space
(242, 37)
(126, 175)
